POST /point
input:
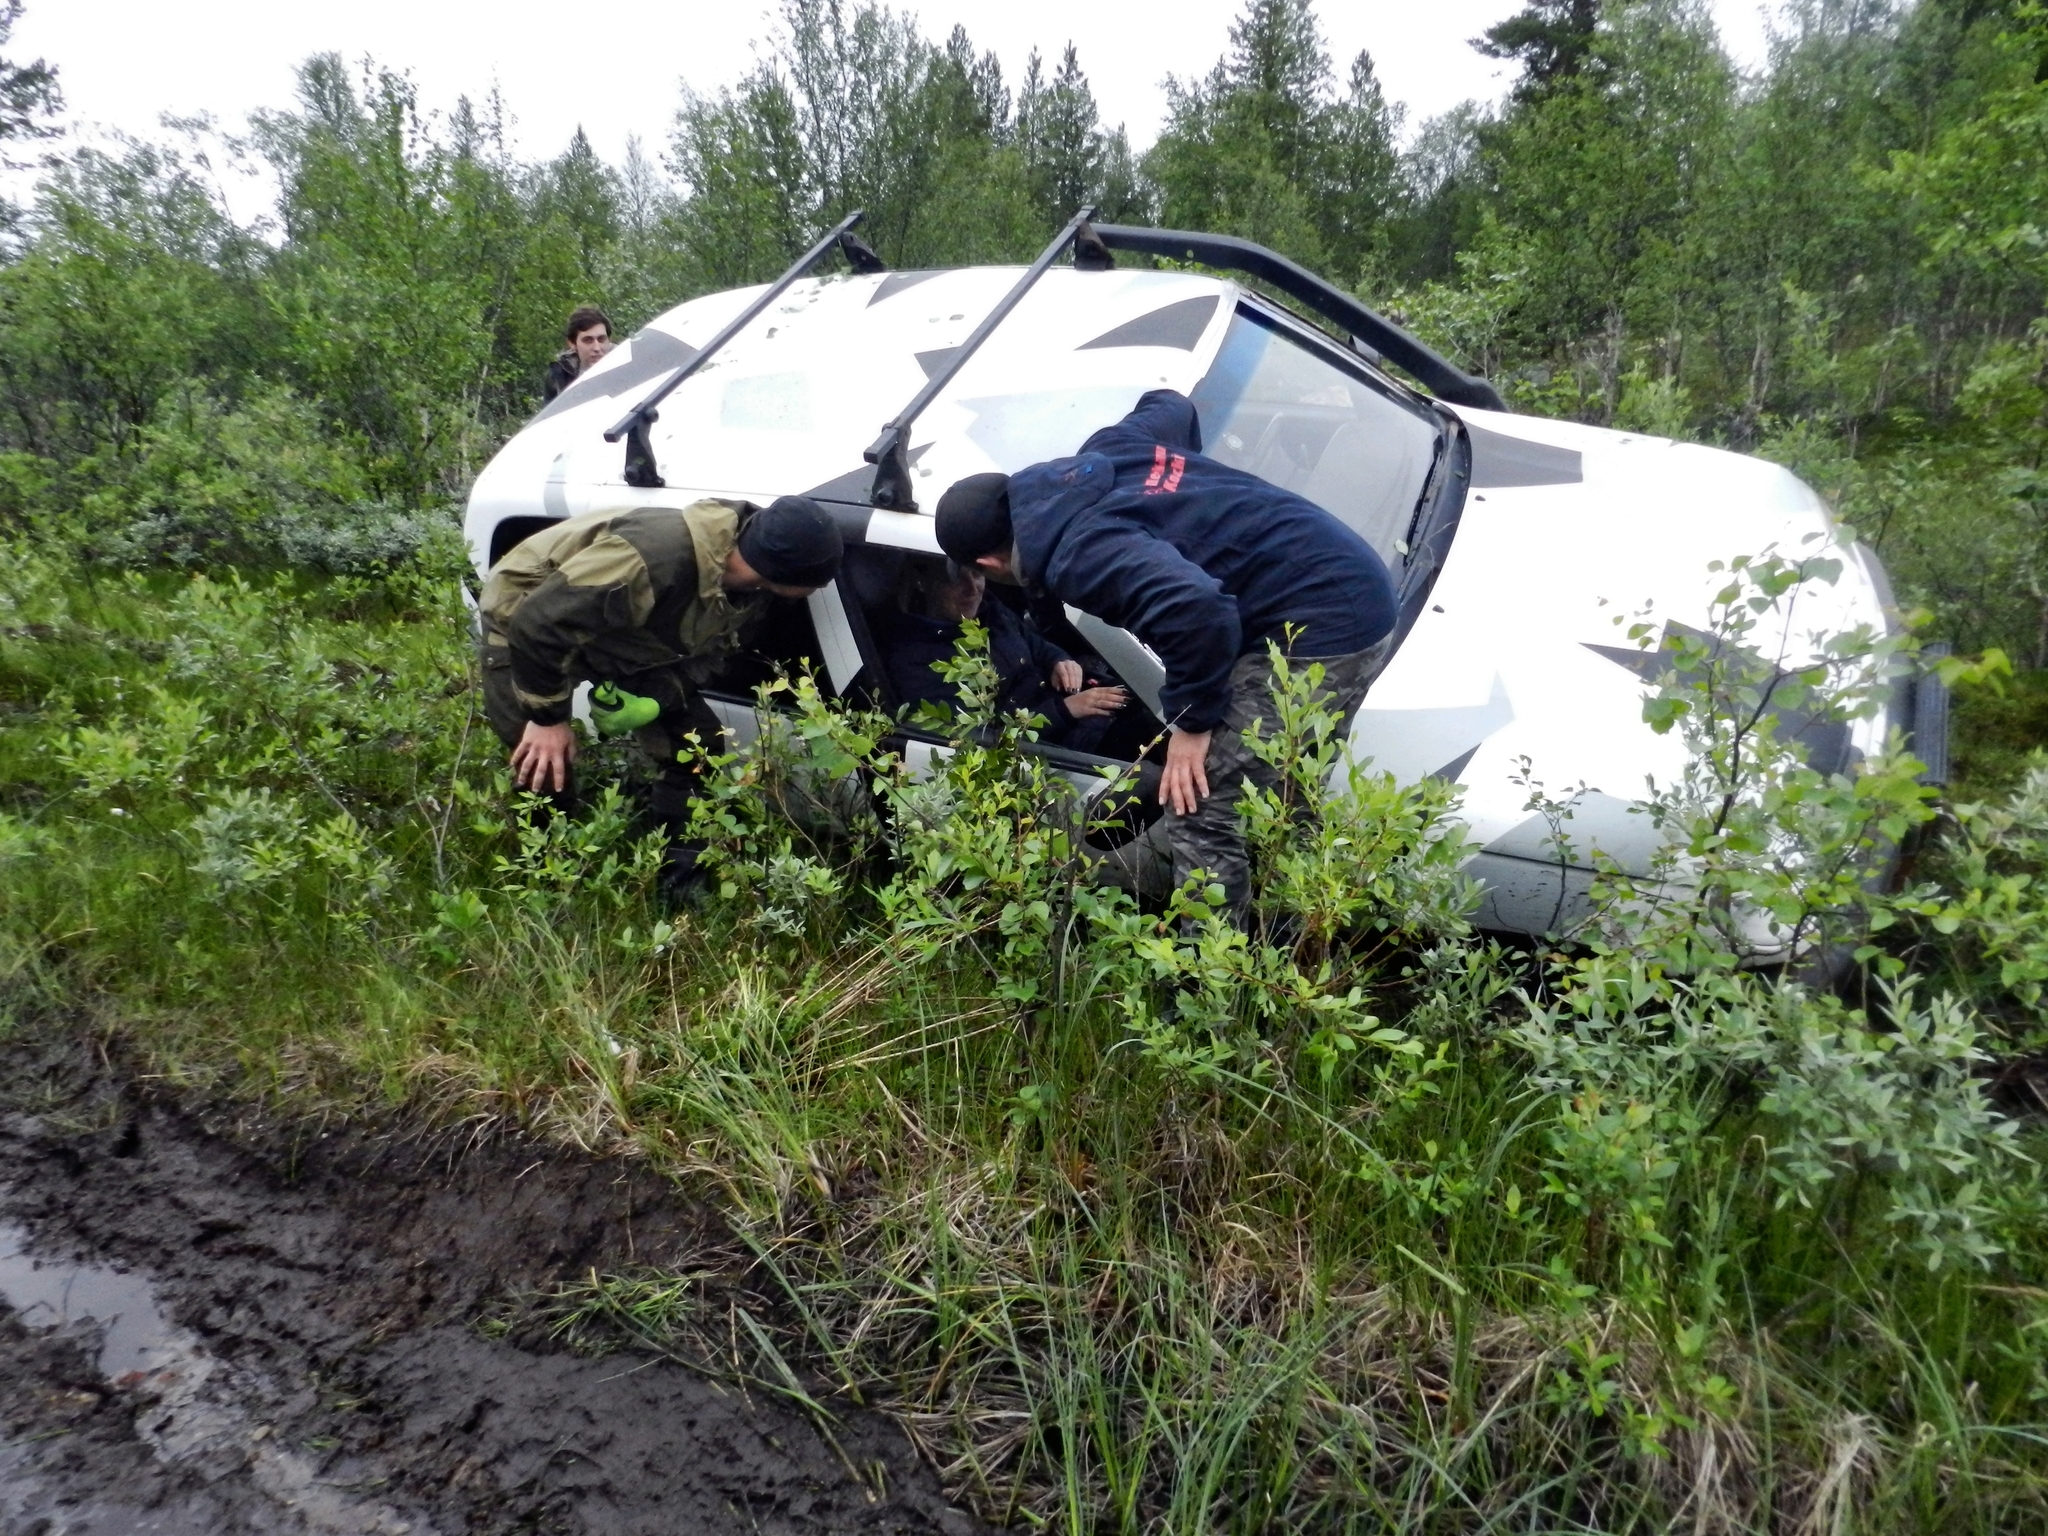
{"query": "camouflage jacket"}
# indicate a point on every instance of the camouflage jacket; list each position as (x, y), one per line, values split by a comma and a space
(611, 593)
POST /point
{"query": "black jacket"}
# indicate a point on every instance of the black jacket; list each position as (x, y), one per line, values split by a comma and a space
(1022, 657)
(560, 375)
(1202, 562)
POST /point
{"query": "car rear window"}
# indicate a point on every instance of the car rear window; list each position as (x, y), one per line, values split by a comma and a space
(1287, 412)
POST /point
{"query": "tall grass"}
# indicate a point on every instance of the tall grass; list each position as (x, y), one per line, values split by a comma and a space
(1134, 1225)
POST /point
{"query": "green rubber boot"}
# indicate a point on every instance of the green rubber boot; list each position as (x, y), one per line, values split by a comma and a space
(614, 711)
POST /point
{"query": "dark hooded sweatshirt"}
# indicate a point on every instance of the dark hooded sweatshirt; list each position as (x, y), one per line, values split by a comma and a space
(1202, 562)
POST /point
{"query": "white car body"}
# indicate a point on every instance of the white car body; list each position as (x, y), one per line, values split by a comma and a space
(1513, 652)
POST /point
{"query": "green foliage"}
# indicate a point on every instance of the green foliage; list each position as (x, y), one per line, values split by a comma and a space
(1551, 39)
(132, 285)
(1264, 147)
(856, 109)
(1341, 851)
(989, 850)
(773, 818)
(28, 92)
(1763, 855)
(1990, 923)
(410, 275)
(1145, 1220)
(1357, 1220)
(1597, 178)
(1663, 1034)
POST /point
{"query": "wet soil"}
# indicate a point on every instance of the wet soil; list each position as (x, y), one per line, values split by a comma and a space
(219, 1323)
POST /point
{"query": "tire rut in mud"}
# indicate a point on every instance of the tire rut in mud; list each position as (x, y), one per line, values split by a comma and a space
(326, 1287)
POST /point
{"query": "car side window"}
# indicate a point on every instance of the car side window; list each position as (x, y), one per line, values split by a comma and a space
(1279, 409)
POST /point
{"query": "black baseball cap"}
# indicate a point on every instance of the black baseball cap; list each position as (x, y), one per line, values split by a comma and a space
(793, 542)
(974, 518)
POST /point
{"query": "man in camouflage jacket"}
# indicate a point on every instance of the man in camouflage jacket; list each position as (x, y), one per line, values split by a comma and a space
(651, 599)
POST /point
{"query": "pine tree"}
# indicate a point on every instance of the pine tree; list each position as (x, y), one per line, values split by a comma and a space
(1058, 134)
(28, 92)
(1551, 39)
(1262, 146)
(1278, 76)
(583, 192)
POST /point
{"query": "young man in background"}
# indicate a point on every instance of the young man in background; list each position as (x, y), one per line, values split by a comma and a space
(589, 334)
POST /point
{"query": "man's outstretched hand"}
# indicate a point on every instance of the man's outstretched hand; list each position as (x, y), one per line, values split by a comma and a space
(541, 760)
(1090, 702)
(1185, 784)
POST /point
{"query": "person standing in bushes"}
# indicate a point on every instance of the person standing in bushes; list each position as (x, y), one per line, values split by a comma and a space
(1207, 565)
(589, 337)
(645, 603)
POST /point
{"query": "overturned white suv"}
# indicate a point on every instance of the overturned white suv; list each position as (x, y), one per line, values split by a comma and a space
(1514, 540)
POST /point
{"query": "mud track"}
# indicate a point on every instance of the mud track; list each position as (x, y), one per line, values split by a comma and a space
(315, 1362)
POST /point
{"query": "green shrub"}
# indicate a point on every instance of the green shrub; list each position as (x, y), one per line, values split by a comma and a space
(254, 486)
(1355, 1220)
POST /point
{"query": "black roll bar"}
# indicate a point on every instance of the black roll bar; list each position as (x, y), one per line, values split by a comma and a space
(891, 488)
(1228, 252)
(641, 469)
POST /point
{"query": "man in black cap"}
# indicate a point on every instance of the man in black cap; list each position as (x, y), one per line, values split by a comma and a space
(1207, 565)
(648, 601)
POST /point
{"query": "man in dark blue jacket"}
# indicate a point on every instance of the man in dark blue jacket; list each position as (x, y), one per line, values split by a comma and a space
(1207, 565)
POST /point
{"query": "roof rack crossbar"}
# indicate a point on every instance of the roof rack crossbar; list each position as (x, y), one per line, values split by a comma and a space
(891, 489)
(1392, 343)
(641, 469)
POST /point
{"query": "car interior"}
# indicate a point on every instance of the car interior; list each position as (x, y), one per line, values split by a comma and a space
(1283, 406)
(872, 584)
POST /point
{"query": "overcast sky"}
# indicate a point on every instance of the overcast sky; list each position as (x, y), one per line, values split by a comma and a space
(615, 67)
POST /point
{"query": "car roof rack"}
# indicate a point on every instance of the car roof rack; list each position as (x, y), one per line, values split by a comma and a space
(641, 469)
(891, 488)
(1409, 353)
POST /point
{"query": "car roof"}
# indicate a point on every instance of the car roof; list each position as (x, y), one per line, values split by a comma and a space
(790, 403)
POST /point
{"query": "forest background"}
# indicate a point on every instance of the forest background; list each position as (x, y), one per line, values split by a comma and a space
(1135, 1224)
(1837, 262)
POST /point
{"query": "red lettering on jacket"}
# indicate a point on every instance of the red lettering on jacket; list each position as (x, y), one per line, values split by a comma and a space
(1165, 476)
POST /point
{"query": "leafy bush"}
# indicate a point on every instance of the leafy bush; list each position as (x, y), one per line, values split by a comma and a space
(255, 486)
(1766, 857)
(1138, 1219)
(1985, 922)
(1763, 854)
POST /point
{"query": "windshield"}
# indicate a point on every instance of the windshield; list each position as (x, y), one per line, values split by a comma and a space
(1290, 413)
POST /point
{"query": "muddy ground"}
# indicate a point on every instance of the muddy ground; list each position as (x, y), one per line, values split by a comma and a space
(321, 1358)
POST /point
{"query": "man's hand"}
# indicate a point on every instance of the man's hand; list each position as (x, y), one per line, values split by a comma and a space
(541, 760)
(1185, 784)
(1066, 676)
(1090, 702)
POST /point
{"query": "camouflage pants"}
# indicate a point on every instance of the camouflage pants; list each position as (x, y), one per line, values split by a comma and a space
(668, 784)
(1211, 840)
